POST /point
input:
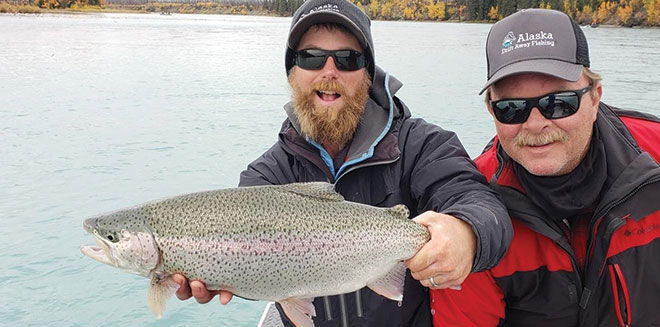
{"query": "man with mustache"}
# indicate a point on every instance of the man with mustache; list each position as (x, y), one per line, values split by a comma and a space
(581, 181)
(346, 126)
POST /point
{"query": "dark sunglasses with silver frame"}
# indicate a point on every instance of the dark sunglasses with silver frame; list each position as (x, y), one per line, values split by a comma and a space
(314, 59)
(553, 105)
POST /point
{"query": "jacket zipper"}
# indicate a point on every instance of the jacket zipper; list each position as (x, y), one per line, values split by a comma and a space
(611, 229)
(358, 166)
(613, 225)
(617, 276)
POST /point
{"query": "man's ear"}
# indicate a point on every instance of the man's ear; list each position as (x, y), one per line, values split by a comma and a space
(490, 110)
(596, 94)
(487, 98)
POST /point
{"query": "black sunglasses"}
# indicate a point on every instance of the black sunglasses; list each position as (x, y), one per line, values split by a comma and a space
(552, 106)
(313, 59)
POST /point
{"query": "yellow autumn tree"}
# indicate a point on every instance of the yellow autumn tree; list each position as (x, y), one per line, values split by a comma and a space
(569, 7)
(494, 13)
(359, 5)
(436, 10)
(398, 9)
(456, 12)
(374, 8)
(452, 11)
(600, 13)
(386, 10)
(605, 11)
(586, 15)
(408, 13)
(623, 13)
(49, 4)
(652, 12)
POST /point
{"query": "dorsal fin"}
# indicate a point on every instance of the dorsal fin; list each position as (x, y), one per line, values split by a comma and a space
(320, 190)
(399, 210)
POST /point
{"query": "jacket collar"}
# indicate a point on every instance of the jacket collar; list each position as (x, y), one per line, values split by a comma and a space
(629, 167)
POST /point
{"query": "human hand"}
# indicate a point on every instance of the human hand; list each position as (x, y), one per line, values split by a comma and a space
(198, 290)
(448, 257)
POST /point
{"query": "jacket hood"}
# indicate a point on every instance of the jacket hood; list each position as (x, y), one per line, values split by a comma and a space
(381, 113)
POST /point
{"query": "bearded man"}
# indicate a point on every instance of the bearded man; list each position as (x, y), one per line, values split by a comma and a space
(346, 126)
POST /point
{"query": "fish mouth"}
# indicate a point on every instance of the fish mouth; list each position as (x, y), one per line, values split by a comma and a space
(100, 252)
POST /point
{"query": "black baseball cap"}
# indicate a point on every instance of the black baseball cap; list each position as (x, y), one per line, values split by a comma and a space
(340, 12)
(536, 41)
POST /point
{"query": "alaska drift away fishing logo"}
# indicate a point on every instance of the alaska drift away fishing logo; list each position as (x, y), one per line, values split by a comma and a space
(526, 40)
(508, 40)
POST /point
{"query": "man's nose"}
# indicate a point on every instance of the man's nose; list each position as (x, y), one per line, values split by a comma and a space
(329, 69)
(536, 121)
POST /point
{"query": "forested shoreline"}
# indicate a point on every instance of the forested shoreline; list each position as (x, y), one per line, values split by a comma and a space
(586, 12)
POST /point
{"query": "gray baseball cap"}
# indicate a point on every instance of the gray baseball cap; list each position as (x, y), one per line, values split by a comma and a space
(536, 41)
(340, 12)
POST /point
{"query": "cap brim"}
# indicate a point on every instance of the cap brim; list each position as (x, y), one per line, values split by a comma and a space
(319, 18)
(560, 69)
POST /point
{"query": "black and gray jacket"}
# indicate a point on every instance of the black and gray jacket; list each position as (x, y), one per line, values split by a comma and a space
(392, 159)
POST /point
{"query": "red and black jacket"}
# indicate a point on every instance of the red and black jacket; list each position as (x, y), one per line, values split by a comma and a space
(538, 282)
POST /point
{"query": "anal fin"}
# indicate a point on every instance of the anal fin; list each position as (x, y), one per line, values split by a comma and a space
(391, 284)
(299, 311)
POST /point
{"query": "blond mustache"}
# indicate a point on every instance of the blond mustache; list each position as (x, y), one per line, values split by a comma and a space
(329, 86)
(540, 139)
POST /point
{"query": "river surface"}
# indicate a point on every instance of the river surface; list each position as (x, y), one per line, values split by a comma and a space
(103, 111)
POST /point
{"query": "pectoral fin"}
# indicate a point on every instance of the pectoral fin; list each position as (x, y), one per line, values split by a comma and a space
(391, 284)
(160, 290)
(299, 311)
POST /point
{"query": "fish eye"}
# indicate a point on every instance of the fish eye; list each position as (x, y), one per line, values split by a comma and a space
(112, 238)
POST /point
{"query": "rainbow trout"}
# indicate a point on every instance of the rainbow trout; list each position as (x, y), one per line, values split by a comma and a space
(285, 243)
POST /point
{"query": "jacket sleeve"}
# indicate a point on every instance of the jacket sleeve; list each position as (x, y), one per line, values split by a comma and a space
(272, 168)
(443, 178)
(479, 303)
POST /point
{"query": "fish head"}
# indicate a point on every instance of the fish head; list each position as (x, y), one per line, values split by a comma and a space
(124, 241)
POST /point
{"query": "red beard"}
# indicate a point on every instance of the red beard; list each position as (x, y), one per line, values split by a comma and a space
(329, 124)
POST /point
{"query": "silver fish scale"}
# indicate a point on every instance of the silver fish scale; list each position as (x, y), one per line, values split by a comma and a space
(269, 243)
